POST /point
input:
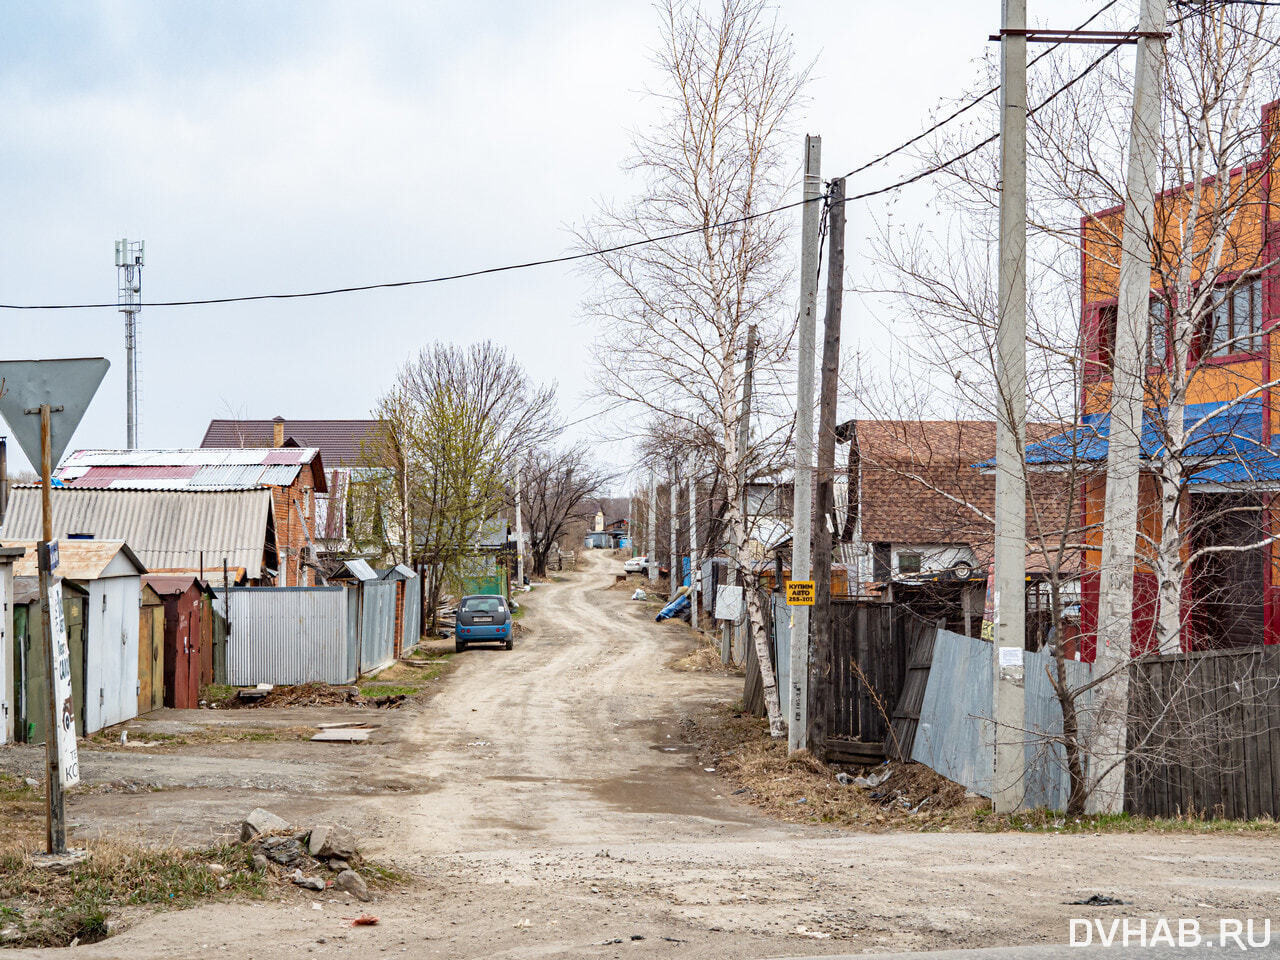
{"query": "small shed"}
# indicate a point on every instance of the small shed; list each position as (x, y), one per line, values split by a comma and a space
(111, 574)
(181, 598)
(30, 677)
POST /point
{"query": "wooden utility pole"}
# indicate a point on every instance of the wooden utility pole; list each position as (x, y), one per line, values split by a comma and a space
(693, 543)
(519, 536)
(652, 553)
(673, 578)
(744, 441)
(55, 821)
(802, 483)
(1009, 568)
(1120, 514)
(821, 652)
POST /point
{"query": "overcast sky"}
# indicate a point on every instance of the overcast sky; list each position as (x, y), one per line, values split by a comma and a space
(267, 147)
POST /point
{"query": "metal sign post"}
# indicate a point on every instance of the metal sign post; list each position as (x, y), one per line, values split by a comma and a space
(28, 404)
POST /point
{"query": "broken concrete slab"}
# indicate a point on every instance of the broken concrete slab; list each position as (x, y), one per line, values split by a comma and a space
(345, 725)
(261, 821)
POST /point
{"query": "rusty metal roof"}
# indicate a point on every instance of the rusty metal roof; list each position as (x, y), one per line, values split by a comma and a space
(344, 443)
(167, 529)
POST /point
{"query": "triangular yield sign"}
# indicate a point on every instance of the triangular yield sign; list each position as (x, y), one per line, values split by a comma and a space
(69, 384)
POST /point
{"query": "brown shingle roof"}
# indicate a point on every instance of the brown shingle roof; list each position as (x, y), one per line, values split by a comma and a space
(342, 443)
(919, 484)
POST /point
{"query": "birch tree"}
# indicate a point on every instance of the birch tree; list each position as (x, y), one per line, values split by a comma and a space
(674, 314)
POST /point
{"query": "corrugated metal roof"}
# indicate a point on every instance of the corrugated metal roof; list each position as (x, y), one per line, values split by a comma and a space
(359, 569)
(77, 559)
(167, 529)
(196, 468)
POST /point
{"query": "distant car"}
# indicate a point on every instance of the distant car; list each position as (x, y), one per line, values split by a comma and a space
(482, 618)
(636, 565)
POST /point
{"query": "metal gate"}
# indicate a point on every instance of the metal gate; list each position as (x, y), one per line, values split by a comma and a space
(287, 635)
(377, 624)
(412, 617)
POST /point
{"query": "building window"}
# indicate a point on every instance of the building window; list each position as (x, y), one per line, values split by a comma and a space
(1233, 322)
(908, 563)
(1158, 332)
(1107, 335)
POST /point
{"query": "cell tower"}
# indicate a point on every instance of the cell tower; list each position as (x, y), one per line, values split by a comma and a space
(129, 258)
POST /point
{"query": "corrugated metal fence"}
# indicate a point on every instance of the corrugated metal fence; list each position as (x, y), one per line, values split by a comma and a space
(377, 625)
(286, 635)
(955, 731)
(412, 617)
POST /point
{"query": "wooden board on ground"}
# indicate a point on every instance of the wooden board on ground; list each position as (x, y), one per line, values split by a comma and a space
(345, 735)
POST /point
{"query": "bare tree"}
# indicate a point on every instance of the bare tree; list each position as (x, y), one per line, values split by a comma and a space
(557, 483)
(675, 313)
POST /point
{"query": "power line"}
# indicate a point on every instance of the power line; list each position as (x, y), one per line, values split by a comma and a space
(971, 104)
(567, 258)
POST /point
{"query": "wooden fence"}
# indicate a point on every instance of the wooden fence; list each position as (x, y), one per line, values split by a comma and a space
(1204, 734)
(869, 646)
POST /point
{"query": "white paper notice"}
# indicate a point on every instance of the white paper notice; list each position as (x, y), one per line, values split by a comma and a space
(68, 757)
(1010, 656)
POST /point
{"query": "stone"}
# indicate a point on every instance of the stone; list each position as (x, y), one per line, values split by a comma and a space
(215, 868)
(261, 821)
(307, 883)
(351, 882)
(328, 842)
(337, 865)
(285, 851)
(260, 862)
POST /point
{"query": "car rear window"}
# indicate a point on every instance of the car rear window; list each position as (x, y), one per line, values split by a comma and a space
(483, 605)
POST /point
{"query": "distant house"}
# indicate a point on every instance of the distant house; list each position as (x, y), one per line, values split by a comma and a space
(294, 475)
(171, 531)
(349, 449)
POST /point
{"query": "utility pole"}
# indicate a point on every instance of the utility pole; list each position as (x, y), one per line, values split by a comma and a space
(519, 536)
(693, 543)
(1011, 398)
(55, 820)
(129, 260)
(820, 653)
(652, 552)
(802, 493)
(1120, 514)
(744, 441)
(673, 565)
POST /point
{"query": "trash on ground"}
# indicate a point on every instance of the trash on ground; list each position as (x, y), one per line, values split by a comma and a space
(866, 783)
(639, 595)
(365, 920)
(1097, 900)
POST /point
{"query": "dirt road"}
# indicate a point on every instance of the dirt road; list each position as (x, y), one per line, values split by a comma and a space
(551, 811)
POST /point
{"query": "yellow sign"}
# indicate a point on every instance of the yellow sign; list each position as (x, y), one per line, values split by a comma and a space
(800, 593)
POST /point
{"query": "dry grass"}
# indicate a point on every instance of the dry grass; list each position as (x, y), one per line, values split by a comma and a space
(802, 789)
(40, 907)
(703, 658)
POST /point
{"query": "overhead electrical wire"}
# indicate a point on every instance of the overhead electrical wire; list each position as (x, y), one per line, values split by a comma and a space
(617, 248)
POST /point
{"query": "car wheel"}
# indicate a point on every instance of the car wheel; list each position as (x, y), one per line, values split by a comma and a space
(509, 644)
(459, 646)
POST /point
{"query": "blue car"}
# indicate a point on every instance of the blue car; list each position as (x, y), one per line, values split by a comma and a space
(482, 619)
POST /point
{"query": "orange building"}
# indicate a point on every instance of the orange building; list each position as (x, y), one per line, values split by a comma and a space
(1230, 460)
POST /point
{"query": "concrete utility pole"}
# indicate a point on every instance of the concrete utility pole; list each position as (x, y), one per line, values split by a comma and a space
(673, 564)
(1011, 416)
(519, 537)
(693, 543)
(55, 820)
(1120, 515)
(802, 495)
(821, 653)
(744, 441)
(652, 553)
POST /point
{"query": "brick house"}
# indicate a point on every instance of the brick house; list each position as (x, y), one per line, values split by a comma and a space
(294, 475)
(1230, 598)
(348, 449)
